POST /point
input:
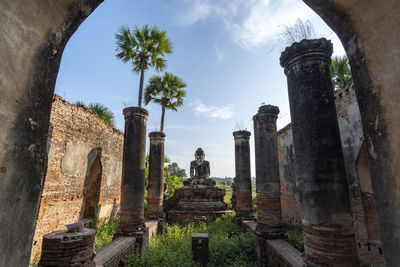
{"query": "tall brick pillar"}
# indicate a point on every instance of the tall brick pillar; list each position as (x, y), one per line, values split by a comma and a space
(269, 214)
(244, 208)
(156, 176)
(324, 200)
(133, 172)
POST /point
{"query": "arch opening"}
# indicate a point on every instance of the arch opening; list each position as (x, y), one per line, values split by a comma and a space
(92, 189)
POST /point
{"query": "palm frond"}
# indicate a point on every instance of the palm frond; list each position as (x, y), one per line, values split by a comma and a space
(340, 73)
(166, 90)
(103, 113)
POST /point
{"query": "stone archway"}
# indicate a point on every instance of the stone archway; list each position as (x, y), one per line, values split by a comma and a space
(34, 34)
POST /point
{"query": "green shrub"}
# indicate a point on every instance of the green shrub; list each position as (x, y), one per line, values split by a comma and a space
(295, 236)
(105, 232)
(229, 245)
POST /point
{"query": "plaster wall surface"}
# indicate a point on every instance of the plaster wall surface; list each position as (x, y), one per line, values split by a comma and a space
(75, 133)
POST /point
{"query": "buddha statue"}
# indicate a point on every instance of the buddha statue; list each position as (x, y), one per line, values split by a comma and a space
(199, 171)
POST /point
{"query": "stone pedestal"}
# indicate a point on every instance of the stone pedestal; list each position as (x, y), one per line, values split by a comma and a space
(324, 200)
(244, 207)
(200, 248)
(156, 176)
(269, 214)
(198, 203)
(64, 249)
(133, 172)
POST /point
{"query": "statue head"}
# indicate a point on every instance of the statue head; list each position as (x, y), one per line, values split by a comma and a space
(199, 155)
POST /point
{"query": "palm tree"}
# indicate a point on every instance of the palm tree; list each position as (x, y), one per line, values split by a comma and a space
(145, 47)
(103, 113)
(166, 91)
(340, 73)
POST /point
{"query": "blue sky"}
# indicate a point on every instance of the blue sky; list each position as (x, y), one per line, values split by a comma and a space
(227, 51)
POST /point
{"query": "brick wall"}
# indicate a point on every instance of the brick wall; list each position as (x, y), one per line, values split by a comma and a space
(76, 138)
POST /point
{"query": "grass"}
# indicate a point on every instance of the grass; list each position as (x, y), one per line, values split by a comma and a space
(228, 245)
(295, 236)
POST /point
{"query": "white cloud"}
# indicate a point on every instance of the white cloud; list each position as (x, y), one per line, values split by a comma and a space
(264, 21)
(252, 23)
(192, 11)
(218, 52)
(215, 112)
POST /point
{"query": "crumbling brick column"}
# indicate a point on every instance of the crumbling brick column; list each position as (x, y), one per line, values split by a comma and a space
(63, 248)
(324, 200)
(269, 214)
(156, 176)
(133, 172)
(244, 207)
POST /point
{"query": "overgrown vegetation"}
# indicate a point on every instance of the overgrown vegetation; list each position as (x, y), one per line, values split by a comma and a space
(229, 245)
(296, 32)
(295, 236)
(105, 232)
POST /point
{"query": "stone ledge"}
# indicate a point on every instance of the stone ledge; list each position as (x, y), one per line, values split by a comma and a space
(115, 252)
(281, 253)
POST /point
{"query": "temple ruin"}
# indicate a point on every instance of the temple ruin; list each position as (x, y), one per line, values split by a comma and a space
(355, 164)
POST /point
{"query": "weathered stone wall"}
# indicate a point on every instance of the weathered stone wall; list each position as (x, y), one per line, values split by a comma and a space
(350, 126)
(74, 134)
(289, 188)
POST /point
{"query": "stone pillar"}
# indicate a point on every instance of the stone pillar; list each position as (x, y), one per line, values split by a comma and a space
(269, 214)
(156, 176)
(244, 207)
(324, 199)
(133, 172)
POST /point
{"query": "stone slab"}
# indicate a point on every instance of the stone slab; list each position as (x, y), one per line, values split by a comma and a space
(250, 224)
(281, 253)
(113, 253)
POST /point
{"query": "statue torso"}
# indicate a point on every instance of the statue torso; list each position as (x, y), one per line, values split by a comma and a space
(201, 170)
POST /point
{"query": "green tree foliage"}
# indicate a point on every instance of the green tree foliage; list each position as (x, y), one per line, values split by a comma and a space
(174, 182)
(144, 48)
(166, 91)
(103, 113)
(175, 170)
(340, 73)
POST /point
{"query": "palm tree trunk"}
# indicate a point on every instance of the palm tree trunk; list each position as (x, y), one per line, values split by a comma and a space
(141, 88)
(162, 119)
